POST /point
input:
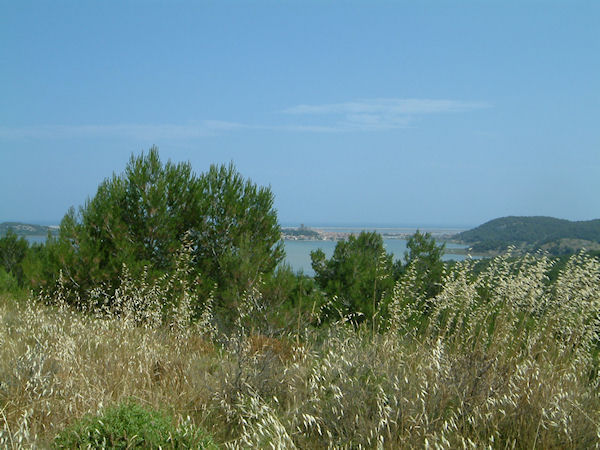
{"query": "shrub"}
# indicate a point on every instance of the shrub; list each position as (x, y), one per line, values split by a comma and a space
(130, 425)
(12, 252)
(291, 300)
(8, 283)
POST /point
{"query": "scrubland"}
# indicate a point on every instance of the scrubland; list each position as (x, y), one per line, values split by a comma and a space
(499, 359)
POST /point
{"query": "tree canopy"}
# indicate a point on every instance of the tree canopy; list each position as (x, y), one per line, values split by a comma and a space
(12, 252)
(425, 257)
(141, 217)
(358, 273)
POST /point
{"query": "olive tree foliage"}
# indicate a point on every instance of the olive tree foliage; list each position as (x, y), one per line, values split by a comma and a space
(141, 217)
(358, 275)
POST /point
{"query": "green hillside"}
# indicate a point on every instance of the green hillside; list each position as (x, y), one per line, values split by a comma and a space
(557, 236)
(26, 229)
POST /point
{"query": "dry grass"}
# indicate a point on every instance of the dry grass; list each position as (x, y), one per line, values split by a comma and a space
(503, 360)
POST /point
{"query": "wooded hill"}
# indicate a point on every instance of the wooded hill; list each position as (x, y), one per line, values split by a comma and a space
(26, 229)
(557, 236)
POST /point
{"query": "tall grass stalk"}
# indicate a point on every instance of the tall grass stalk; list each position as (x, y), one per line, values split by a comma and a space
(501, 359)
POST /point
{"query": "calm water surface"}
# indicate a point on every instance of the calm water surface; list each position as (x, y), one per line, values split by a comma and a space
(36, 239)
(298, 252)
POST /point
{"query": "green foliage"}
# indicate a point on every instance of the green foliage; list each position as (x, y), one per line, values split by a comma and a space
(238, 240)
(137, 218)
(291, 299)
(12, 252)
(40, 263)
(302, 231)
(359, 274)
(129, 425)
(8, 282)
(424, 258)
(141, 217)
(531, 233)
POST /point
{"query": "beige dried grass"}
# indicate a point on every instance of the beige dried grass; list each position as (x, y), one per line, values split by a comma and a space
(504, 358)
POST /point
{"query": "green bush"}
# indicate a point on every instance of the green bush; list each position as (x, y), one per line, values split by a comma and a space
(8, 283)
(291, 299)
(130, 425)
(12, 252)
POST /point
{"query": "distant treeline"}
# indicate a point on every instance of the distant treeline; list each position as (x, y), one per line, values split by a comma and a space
(557, 236)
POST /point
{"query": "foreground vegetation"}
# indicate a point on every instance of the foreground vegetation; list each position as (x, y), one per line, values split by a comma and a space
(502, 358)
(157, 318)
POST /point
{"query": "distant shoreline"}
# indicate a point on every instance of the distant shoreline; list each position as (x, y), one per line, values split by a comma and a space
(341, 233)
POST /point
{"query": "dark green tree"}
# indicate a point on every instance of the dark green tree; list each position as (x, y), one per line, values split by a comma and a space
(359, 273)
(425, 255)
(141, 217)
(12, 252)
(238, 239)
(137, 218)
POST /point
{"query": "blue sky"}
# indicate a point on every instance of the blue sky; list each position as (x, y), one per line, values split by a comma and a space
(398, 113)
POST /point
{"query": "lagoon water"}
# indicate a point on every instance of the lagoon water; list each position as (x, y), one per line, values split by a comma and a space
(36, 239)
(298, 252)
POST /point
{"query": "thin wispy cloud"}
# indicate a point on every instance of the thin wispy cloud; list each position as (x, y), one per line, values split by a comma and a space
(389, 106)
(380, 113)
(362, 115)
